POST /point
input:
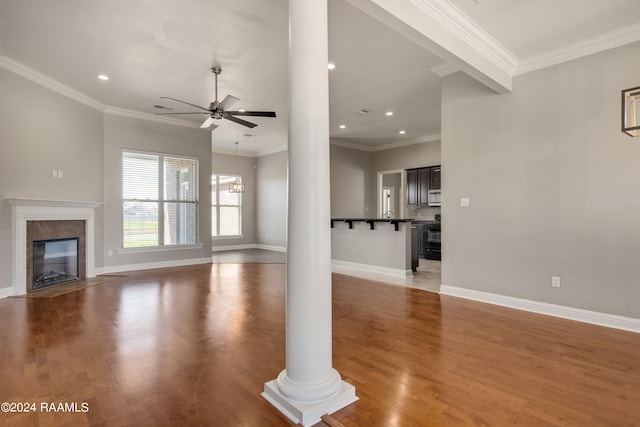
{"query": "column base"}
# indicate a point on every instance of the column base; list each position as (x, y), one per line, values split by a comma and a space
(309, 413)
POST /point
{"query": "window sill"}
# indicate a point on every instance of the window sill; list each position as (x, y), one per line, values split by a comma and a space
(166, 248)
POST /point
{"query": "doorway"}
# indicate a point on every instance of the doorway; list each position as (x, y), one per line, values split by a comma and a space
(390, 190)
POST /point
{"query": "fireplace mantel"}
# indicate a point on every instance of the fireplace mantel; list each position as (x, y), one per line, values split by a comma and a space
(42, 203)
(47, 210)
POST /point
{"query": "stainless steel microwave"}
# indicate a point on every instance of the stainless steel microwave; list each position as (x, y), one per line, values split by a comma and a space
(434, 198)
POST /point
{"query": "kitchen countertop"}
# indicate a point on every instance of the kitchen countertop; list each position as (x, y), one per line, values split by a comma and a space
(371, 221)
(423, 221)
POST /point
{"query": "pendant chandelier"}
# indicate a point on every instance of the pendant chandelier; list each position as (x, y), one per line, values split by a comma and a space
(237, 186)
(631, 111)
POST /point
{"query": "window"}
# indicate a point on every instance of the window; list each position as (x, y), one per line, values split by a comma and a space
(159, 200)
(226, 209)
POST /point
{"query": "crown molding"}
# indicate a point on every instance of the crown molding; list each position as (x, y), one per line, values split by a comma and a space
(272, 150)
(232, 152)
(420, 140)
(610, 40)
(43, 80)
(151, 117)
(390, 146)
(444, 30)
(258, 153)
(352, 145)
(444, 69)
(30, 74)
(454, 20)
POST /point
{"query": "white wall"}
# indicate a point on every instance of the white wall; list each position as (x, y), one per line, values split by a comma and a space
(552, 183)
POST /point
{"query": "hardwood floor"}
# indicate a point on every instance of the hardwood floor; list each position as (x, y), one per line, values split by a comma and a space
(193, 346)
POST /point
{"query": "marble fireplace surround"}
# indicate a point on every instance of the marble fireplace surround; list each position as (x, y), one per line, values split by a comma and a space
(48, 210)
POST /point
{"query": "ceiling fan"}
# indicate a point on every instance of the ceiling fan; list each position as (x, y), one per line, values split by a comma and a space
(218, 110)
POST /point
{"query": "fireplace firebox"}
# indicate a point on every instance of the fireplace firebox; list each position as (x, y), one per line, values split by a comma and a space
(55, 261)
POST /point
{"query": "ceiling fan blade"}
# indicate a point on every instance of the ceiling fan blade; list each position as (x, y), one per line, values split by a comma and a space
(185, 102)
(239, 121)
(194, 112)
(227, 102)
(208, 122)
(253, 113)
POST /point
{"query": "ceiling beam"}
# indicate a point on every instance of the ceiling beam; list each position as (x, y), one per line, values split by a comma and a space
(442, 29)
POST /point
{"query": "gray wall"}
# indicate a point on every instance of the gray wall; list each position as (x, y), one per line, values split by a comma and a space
(245, 167)
(271, 202)
(129, 133)
(552, 183)
(351, 195)
(40, 131)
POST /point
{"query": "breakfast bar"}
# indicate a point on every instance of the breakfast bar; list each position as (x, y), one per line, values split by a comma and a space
(379, 245)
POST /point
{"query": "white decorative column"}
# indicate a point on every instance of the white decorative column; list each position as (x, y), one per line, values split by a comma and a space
(309, 387)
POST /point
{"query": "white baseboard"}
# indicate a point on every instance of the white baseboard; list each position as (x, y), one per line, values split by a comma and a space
(338, 266)
(6, 292)
(602, 319)
(272, 248)
(248, 246)
(233, 247)
(151, 265)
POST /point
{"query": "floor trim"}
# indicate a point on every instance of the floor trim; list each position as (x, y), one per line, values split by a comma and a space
(233, 247)
(152, 265)
(338, 266)
(272, 248)
(6, 292)
(586, 316)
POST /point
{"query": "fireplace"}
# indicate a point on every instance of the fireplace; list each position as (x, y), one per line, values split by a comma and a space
(55, 261)
(39, 220)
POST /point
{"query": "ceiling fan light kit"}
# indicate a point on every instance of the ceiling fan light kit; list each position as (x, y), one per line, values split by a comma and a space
(219, 110)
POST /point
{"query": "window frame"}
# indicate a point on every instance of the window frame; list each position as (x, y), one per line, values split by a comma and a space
(161, 201)
(215, 228)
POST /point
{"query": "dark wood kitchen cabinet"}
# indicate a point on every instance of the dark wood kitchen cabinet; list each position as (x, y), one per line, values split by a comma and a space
(434, 178)
(412, 188)
(419, 182)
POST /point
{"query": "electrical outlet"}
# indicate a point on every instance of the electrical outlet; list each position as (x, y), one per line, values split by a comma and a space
(54, 173)
(464, 202)
(555, 281)
(60, 174)
(109, 252)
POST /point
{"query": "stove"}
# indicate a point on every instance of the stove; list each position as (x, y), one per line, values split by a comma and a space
(432, 245)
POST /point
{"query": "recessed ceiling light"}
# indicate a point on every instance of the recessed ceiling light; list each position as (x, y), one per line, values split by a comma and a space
(402, 132)
(389, 113)
(103, 77)
(343, 126)
(242, 110)
(331, 66)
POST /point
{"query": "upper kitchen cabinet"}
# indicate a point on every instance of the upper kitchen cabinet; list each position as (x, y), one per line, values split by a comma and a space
(423, 187)
(434, 178)
(412, 188)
